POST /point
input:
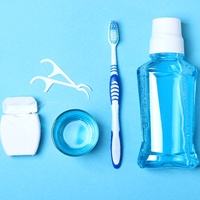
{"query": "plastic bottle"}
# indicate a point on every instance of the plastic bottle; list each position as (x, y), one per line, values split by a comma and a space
(167, 86)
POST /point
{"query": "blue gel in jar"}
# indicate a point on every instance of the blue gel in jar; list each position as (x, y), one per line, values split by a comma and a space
(75, 132)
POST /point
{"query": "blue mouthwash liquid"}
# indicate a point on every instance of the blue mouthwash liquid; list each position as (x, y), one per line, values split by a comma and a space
(167, 91)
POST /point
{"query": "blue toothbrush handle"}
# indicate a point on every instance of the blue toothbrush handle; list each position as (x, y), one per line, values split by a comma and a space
(115, 133)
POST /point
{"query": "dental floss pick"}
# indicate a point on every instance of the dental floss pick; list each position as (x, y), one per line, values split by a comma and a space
(58, 71)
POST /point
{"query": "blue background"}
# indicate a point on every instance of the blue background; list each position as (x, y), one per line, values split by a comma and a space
(74, 35)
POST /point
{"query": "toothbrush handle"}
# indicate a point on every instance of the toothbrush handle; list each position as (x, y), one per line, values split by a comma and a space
(115, 133)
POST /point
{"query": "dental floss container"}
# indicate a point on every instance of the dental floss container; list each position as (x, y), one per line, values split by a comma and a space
(20, 126)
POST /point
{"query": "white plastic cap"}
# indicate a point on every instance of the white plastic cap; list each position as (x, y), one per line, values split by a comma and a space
(19, 105)
(166, 36)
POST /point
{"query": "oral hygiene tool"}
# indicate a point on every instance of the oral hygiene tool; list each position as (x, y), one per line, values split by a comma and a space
(20, 126)
(58, 71)
(113, 38)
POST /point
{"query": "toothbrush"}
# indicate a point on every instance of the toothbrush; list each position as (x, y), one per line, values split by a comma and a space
(113, 38)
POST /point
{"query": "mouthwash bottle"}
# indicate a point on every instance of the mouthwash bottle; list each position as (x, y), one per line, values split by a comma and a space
(167, 86)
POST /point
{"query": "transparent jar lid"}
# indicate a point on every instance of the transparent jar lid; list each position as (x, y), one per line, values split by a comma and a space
(75, 132)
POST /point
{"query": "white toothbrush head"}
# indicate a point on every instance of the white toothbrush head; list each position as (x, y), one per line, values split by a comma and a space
(113, 33)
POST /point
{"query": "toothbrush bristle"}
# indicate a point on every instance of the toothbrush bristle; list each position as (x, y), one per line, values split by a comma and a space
(113, 32)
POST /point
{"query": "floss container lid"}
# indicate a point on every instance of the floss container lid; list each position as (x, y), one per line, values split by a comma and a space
(19, 105)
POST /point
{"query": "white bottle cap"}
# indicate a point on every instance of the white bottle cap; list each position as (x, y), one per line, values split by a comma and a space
(166, 36)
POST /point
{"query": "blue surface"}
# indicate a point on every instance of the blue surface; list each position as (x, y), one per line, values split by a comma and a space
(74, 35)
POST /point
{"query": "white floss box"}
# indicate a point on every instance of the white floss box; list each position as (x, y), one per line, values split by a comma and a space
(20, 126)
